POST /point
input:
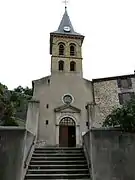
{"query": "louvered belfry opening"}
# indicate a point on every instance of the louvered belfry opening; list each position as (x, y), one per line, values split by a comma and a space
(72, 49)
(67, 132)
(61, 49)
(61, 65)
(72, 66)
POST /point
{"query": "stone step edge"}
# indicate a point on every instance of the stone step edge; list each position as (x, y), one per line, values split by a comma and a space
(45, 175)
(33, 170)
(60, 150)
(70, 148)
(82, 157)
(51, 151)
(55, 154)
(58, 161)
(59, 165)
(63, 179)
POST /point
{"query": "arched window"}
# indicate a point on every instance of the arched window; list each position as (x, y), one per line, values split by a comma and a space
(72, 49)
(72, 66)
(61, 49)
(61, 65)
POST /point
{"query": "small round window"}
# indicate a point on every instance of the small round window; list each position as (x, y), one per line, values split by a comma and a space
(67, 99)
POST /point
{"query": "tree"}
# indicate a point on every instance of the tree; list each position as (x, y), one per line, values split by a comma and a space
(25, 91)
(7, 110)
(13, 104)
(20, 97)
(124, 117)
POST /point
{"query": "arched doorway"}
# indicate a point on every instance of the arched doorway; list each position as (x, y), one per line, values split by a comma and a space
(67, 132)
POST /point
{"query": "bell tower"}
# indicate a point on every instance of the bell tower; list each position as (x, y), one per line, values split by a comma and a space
(66, 48)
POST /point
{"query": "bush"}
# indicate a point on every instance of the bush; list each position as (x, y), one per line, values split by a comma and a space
(124, 117)
(10, 122)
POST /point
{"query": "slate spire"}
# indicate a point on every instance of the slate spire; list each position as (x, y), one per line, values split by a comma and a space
(66, 23)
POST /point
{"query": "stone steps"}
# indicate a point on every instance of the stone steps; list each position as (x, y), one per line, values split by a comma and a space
(57, 154)
(60, 166)
(58, 163)
(61, 158)
(56, 176)
(58, 150)
(56, 171)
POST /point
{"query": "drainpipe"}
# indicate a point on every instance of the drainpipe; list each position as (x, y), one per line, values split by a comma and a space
(89, 108)
(88, 114)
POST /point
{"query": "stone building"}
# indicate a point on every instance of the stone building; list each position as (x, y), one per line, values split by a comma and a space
(109, 93)
(69, 104)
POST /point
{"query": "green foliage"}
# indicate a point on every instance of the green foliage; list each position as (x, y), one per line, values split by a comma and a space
(20, 97)
(13, 104)
(25, 91)
(6, 107)
(124, 117)
(10, 122)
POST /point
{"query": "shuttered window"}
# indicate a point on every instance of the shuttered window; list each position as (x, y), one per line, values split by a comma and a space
(124, 97)
(124, 83)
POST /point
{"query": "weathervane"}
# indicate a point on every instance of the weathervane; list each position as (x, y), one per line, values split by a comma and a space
(65, 2)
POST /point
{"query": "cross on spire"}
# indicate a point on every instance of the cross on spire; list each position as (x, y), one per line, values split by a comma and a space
(65, 2)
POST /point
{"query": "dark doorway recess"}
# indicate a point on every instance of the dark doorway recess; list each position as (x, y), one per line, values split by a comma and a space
(67, 133)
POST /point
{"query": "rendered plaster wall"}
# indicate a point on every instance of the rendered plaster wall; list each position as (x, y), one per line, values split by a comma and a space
(52, 95)
(11, 152)
(28, 143)
(32, 117)
(111, 154)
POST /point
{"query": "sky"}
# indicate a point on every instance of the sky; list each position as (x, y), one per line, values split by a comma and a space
(25, 26)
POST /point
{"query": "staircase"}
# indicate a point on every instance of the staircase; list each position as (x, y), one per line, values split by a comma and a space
(58, 163)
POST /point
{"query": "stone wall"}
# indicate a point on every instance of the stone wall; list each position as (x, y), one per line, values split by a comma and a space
(66, 57)
(106, 99)
(67, 42)
(106, 96)
(112, 154)
(12, 142)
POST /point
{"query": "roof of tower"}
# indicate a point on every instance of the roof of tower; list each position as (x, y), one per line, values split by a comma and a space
(65, 28)
(65, 22)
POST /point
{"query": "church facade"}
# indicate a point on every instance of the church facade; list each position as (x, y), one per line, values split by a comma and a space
(69, 104)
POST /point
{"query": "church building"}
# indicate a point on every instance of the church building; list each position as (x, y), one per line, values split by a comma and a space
(70, 105)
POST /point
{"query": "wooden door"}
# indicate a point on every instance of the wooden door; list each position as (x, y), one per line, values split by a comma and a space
(71, 136)
(63, 136)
